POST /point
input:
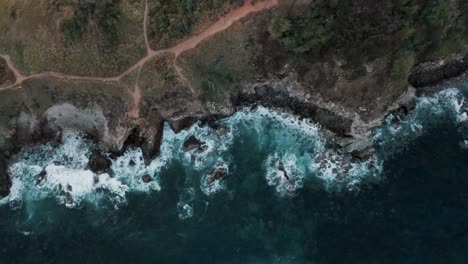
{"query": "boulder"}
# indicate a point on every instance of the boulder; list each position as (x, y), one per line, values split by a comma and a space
(99, 163)
(146, 178)
(192, 143)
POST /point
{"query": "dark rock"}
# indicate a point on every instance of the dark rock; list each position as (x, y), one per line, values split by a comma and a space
(146, 178)
(341, 175)
(5, 183)
(152, 133)
(98, 163)
(431, 73)
(192, 143)
(69, 198)
(269, 97)
(217, 174)
(69, 188)
(131, 163)
(464, 124)
(363, 154)
(346, 166)
(41, 177)
(182, 123)
(372, 168)
(262, 91)
(318, 158)
(283, 169)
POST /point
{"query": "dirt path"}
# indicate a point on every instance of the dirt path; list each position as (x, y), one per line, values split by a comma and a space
(220, 25)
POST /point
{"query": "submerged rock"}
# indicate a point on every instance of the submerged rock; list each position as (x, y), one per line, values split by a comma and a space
(192, 143)
(99, 163)
(219, 130)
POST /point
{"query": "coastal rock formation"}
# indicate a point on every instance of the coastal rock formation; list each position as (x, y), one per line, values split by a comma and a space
(430, 73)
(192, 143)
(98, 162)
(216, 175)
(5, 183)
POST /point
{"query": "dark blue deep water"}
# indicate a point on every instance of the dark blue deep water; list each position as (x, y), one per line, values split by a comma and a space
(408, 205)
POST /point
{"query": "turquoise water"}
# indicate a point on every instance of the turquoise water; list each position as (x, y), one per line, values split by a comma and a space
(407, 204)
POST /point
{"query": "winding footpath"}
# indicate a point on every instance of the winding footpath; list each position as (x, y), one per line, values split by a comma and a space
(193, 41)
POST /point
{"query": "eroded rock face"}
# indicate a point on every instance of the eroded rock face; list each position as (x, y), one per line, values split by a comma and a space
(150, 131)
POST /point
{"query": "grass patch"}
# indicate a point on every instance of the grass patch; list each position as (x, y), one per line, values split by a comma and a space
(73, 37)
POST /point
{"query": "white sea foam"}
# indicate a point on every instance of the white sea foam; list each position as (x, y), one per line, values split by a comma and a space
(130, 169)
(335, 167)
(68, 179)
(185, 211)
(285, 172)
(184, 206)
(396, 134)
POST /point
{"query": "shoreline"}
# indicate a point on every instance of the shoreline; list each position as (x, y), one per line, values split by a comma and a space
(345, 129)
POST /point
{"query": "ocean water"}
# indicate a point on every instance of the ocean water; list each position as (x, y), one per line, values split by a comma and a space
(288, 196)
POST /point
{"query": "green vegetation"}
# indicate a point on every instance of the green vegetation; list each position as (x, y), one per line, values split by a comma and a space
(437, 12)
(401, 66)
(171, 20)
(301, 34)
(361, 27)
(106, 13)
(6, 76)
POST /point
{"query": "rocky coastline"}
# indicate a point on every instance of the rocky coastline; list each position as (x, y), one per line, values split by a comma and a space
(114, 134)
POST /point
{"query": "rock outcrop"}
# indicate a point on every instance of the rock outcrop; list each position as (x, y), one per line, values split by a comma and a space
(5, 182)
(433, 72)
(192, 143)
(99, 163)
